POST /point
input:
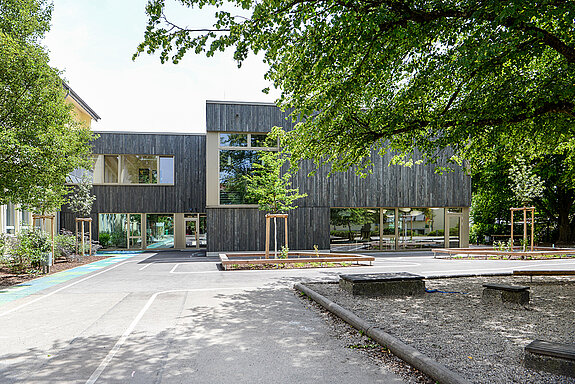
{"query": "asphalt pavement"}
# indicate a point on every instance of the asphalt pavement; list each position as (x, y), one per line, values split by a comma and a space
(174, 317)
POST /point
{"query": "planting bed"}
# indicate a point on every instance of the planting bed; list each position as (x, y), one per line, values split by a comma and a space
(516, 253)
(232, 261)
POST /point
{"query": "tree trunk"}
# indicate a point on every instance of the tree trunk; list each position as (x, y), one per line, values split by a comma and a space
(565, 233)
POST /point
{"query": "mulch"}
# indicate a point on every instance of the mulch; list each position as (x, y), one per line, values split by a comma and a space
(8, 278)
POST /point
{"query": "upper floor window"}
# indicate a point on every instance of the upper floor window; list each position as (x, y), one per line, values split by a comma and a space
(129, 169)
(237, 153)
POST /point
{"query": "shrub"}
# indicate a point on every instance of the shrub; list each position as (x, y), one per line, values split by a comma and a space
(30, 249)
(118, 239)
(64, 244)
(104, 239)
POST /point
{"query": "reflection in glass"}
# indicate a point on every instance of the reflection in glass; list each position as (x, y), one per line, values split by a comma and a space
(454, 234)
(139, 169)
(166, 170)
(160, 231)
(112, 230)
(110, 169)
(25, 218)
(355, 229)
(234, 166)
(421, 227)
(233, 140)
(261, 141)
(135, 225)
(10, 218)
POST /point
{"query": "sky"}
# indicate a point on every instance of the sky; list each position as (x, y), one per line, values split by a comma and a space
(93, 41)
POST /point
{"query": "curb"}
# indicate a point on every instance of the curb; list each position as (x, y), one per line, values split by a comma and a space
(488, 274)
(405, 352)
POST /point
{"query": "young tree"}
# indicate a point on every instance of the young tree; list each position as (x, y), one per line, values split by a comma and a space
(40, 141)
(396, 75)
(81, 199)
(270, 188)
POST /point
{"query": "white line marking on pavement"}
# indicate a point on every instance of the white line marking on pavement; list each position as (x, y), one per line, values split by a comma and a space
(146, 266)
(135, 322)
(61, 289)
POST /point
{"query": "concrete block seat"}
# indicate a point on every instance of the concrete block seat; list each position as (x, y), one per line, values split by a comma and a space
(383, 284)
(557, 358)
(501, 293)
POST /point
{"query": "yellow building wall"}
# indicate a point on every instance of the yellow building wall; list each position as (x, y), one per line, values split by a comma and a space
(79, 112)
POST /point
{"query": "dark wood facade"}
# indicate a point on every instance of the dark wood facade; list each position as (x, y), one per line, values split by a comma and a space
(238, 229)
(232, 228)
(188, 194)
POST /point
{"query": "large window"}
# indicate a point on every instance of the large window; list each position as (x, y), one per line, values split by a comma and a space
(357, 229)
(129, 169)
(112, 229)
(237, 154)
(159, 231)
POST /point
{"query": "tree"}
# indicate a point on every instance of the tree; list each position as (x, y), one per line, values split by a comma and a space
(81, 200)
(270, 188)
(399, 75)
(40, 141)
(544, 180)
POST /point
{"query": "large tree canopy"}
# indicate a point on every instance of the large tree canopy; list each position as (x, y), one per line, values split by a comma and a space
(398, 74)
(40, 141)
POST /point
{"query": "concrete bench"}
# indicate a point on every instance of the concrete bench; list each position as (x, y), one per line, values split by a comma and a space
(501, 293)
(550, 357)
(543, 273)
(383, 284)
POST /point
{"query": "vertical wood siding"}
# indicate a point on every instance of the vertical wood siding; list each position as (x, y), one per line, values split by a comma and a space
(188, 194)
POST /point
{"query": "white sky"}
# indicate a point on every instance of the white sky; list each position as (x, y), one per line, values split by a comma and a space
(93, 42)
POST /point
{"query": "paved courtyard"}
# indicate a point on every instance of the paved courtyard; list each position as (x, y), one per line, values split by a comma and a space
(173, 317)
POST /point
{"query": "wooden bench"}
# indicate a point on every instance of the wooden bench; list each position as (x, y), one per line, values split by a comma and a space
(501, 293)
(550, 357)
(543, 273)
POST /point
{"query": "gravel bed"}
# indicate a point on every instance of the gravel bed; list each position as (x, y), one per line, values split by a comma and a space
(361, 343)
(483, 343)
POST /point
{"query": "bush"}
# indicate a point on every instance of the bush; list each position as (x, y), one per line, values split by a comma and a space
(438, 232)
(64, 244)
(118, 239)
(104, 239)
(29, 250)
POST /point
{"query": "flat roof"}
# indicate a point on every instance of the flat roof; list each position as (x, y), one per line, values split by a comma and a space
(240, 103)
(152, 133)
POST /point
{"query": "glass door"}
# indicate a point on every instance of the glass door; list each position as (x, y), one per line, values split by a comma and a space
(134, 231)
(454, 234)
(192, 233)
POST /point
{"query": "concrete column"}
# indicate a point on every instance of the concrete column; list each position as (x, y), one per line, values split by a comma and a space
(179, 231)
(446, 227)
(464, 228)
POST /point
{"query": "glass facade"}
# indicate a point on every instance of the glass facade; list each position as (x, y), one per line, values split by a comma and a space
(159, 231)
(234, 167)
(195, 230)
(112, 231)
(421, 228)
(237, 154)
(129, 169)
(111, 168)
(365, 229)
(10, 218)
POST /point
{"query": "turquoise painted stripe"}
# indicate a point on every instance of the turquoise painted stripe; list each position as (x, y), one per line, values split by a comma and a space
(33, 286)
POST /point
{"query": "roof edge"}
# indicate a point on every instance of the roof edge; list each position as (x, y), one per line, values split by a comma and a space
(82, 103)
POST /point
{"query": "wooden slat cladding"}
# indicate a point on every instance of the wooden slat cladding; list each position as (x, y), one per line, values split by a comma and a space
(242, 117)
(188, 194)
(387, 186)
(237, 229)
